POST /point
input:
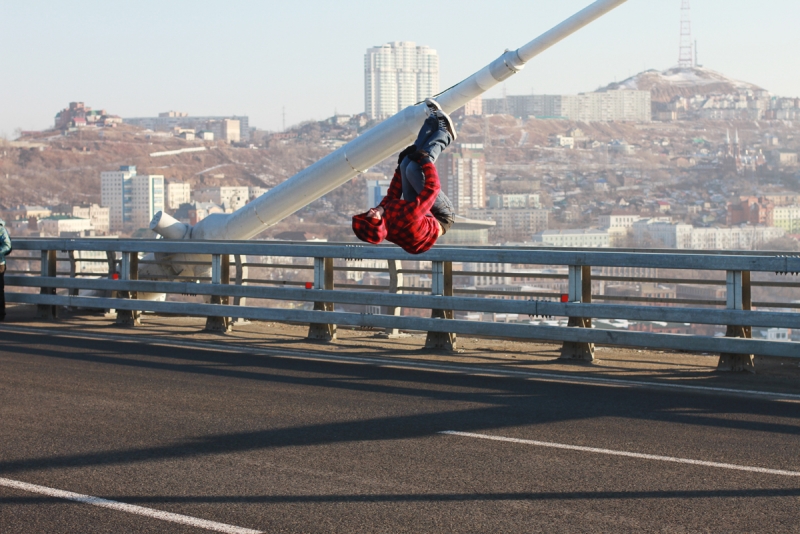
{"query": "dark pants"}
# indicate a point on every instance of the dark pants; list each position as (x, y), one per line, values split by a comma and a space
(2, 291)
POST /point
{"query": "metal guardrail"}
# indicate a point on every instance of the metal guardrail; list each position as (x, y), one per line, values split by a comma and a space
(736, 348)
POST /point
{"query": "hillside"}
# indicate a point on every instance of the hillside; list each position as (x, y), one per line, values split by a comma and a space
(50, 168)
(687, 82)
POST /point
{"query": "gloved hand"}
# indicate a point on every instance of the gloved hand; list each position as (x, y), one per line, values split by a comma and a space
(406, 151)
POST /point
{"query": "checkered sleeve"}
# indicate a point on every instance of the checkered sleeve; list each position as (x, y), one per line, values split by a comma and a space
(395, 191)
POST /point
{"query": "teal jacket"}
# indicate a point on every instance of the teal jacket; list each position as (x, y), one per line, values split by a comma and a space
(5, 242)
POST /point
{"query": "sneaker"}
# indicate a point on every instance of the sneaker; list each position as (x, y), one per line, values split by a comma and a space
(433, 105)
(448, 123)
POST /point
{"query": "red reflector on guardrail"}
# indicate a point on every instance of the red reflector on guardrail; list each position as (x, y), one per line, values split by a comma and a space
(564, 298)
(309, 285)
(115, 276)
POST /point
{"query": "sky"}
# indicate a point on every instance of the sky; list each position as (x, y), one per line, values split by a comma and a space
(257, 57)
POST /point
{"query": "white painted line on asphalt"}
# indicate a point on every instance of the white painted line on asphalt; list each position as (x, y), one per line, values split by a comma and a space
(625, 453)
(466, 369)
(130, 508)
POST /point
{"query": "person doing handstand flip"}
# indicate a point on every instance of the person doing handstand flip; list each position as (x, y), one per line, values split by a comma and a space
(415, 211)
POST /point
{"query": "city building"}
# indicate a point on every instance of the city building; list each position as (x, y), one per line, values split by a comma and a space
(618, 220)
(178, 193)
(230, 197)
(513, 201)
(132, 199)
(193, 212)
(98, 215)
(587, 107)
(27, 212)
(55, 225)
(170, 120)
(583, 238)
(377, 187)
(512, 224)
(473, 107)
(462, 173)
(467, 232)
(398, 75)
(226, 129)
(787, 217)
(77, 114)
(663, 232)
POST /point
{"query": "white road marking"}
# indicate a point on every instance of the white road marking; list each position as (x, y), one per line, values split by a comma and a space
(404, 364)
(130, 508)
(624, 453)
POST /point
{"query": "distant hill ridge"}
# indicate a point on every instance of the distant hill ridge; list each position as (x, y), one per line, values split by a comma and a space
(666, 85)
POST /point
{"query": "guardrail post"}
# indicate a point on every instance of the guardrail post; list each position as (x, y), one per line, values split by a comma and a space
(739, 297)
(323, 279)
(579, 290)
(220, 274)
(130, 271)
(441, 285)
(241, 277)
(45, 311)
(73, 272)
(395, 283)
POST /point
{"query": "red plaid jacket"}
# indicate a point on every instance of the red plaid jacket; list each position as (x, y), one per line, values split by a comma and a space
(407, 224)
(410, 225)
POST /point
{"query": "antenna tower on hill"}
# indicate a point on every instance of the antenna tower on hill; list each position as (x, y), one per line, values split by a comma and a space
(686, 55)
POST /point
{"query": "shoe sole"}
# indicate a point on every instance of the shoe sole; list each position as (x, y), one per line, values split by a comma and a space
(450, 124)
(433, 103)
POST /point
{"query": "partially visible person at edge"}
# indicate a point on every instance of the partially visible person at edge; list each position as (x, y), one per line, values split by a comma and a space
(5, 248)
(415, 212)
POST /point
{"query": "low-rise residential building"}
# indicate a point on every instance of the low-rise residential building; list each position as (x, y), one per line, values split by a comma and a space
(194, 212)
(26, 212)
(178, 193)
(56, 225)
(514, 201)
(584, 238)
(661, 232)
(787, 217)
(99, 216)
(230, 197)
(512, 224)
(618, 220)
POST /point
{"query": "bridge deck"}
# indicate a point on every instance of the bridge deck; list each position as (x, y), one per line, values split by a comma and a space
(774, 375)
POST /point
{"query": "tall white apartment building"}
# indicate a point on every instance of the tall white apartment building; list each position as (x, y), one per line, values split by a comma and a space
(178, 193)
(132, 199)
(398, 75)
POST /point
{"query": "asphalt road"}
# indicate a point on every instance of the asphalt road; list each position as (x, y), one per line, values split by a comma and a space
(292, 445)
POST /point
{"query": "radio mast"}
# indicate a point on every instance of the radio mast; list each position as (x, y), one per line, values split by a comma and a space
(686, 55)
